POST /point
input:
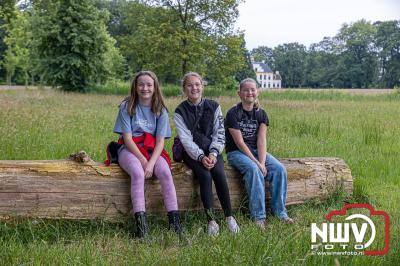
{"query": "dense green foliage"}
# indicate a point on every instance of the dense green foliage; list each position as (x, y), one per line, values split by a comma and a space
(49, 124)
(387, 38)
(18, 41)
(361, 55)
(7, 9)
(81, 44)
(172, 37)
(290, 59)
(70, 43)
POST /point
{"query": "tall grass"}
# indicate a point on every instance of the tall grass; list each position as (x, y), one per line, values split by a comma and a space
(48, 124)
(117, 87)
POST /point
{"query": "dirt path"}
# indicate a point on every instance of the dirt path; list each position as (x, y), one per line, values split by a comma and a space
(15, 87)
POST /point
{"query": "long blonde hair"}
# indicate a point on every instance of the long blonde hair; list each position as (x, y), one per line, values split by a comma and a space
(157, 101)
(241, 84)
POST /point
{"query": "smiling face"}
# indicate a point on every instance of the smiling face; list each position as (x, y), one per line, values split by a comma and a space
(145, 88)
(193, 88)
(248, 92)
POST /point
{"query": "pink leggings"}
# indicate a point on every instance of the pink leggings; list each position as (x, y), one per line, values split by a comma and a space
(132, 166)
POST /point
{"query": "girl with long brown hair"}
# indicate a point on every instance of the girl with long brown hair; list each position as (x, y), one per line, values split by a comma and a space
(143, 124)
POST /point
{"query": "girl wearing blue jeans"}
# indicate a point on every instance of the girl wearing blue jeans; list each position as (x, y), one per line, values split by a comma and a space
(246, 130)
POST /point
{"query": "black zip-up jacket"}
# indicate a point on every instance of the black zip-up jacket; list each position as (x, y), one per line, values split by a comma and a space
(210, 126)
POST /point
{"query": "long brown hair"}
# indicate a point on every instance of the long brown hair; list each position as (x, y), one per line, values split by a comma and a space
(250, 80)
(157, 101)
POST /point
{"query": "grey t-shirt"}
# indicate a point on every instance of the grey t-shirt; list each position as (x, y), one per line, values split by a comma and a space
(144, 120)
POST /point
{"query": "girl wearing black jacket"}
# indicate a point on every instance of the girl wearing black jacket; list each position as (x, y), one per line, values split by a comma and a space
(200, 128)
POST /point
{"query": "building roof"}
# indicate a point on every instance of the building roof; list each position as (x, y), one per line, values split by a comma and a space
(264, 67)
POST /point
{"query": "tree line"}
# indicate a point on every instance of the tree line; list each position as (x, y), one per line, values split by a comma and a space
(75, 44)
(361, 55)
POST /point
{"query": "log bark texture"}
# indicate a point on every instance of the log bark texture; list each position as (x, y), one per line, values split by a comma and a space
(86, 190)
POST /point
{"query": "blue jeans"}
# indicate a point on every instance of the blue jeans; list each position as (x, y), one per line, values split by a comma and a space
(255, 183)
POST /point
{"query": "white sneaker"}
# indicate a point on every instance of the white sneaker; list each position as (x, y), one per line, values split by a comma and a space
(213, 228)
(261, 224)
(232, 225)
(287, 220)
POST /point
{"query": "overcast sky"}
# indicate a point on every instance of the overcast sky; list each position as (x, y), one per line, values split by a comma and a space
(274, 22)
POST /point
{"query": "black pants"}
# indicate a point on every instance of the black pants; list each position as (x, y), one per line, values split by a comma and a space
(205, 178)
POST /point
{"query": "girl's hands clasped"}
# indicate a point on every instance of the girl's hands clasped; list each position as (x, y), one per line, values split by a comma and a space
(263, 169)
(209, 161)
(148, 169)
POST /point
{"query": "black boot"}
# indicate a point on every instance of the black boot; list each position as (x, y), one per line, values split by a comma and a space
(175, 221)
(141, 224)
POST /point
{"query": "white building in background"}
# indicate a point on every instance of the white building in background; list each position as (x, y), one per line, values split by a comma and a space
(265, 77)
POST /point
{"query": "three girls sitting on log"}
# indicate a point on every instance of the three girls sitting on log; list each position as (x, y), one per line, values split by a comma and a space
(143, 125)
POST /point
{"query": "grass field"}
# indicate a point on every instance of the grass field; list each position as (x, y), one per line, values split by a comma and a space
(363, 130)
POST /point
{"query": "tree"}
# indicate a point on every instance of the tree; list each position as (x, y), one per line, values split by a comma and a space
(198, 18)
(118, 11)
(156, 39)
(225, 58)
(264, 53)
(359, 58)
(387, 41)
(18, 41)
(151, 41)
(71, 43)
(290, 59)
(247, 70)
(321, 64)
(114, 62)
(7, 9)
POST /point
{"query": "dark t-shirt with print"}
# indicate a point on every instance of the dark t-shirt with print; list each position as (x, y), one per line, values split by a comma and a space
(248, 122)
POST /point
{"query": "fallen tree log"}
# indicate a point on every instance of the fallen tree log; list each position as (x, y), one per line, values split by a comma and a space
(80, 188)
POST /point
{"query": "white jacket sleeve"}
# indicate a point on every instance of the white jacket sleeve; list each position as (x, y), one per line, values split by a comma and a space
(186, 137)
(218, 135)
